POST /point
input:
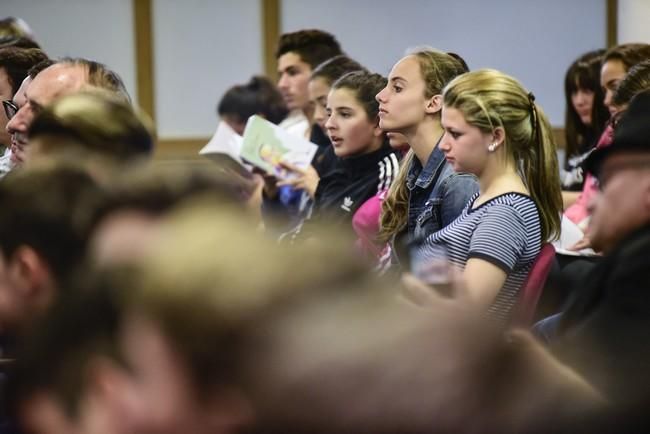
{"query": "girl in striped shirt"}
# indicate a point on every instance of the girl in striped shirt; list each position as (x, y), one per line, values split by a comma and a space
(494, 129)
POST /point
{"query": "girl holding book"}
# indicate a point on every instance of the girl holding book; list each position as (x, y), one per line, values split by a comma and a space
(361, 147)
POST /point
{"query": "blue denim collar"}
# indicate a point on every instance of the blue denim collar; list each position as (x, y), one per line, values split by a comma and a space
(422, 177)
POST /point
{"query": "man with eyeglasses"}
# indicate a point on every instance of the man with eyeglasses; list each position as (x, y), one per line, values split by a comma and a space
(60, 78)
(14, 66)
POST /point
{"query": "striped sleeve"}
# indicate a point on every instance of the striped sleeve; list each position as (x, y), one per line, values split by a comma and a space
(388, 169)
(501, 237)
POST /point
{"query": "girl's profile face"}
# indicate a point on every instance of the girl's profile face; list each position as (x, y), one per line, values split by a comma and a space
(318, 90)
(465, 146)
(348, 126)
(402, 102)
(611, 74)
(583, 102)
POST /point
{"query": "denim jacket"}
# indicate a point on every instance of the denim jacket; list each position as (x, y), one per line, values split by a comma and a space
(437, 195)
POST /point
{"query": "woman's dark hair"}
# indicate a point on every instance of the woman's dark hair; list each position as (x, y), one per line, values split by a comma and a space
(334, 68)
(365, 86)
(628, 54)
(257, 97)
(462, 62)
(584, 74)
(637, 80)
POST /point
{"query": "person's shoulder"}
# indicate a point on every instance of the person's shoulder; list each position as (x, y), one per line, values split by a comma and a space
(636, 244)
(452, 180)
(509, 210)
(509, 202)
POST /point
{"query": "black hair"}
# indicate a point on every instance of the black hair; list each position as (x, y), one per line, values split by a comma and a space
(257, 97)
(312, 45)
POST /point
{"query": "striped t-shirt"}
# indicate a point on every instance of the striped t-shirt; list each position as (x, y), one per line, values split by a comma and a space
(505, 231)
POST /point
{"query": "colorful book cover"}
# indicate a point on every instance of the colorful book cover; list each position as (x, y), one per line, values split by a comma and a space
(265, 145)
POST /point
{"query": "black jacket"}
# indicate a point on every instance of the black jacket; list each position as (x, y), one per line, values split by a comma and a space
(605, 330)
(345, 188)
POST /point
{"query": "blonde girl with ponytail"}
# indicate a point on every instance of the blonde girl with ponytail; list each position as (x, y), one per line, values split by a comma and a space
(495, 130)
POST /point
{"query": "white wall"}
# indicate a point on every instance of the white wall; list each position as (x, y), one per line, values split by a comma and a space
(96, 29)
(533, 40)
(633, 21)
(202, 47)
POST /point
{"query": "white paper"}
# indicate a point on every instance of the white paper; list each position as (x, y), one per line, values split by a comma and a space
(569, 236)
(224, 142)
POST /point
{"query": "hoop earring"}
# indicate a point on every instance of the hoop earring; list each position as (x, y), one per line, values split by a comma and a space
(492, 147)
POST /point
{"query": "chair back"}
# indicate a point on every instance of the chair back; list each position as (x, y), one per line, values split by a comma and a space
(533, 286)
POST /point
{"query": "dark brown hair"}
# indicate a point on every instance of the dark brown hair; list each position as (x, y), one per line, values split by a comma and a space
(365, 86)
(584, 74)
(628, 54)
(258, 96)
(312, 45)
(17, 62)
(334, 68)
(56, 225)
(637, 80)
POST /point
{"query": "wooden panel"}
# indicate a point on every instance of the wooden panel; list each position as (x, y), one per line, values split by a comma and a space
(270, 34)
(143, 32)
(612, 23)
(174, 149)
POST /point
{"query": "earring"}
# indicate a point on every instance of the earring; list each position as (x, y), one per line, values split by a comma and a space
(492, 147)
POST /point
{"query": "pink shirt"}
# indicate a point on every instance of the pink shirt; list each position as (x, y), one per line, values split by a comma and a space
(366, 225)
(579, 210)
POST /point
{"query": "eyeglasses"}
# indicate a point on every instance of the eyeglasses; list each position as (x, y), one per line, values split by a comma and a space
(10, 108)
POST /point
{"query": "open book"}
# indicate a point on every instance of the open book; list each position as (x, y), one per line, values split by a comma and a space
(266, 145)
(224, 148)
(263, 145)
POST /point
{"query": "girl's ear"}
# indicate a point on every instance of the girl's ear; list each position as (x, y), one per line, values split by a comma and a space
(31, 274)
(434, 105)
(499, 136)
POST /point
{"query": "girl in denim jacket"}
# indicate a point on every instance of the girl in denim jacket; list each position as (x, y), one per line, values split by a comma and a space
(428, 194)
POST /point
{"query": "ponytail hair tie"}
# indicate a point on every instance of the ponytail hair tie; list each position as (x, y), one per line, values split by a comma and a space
(533, 113)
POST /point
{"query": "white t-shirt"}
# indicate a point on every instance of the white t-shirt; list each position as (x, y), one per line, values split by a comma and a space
(296, 123)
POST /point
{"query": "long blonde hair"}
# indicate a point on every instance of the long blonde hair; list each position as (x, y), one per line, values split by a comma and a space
(437, 69)
(489, 99)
